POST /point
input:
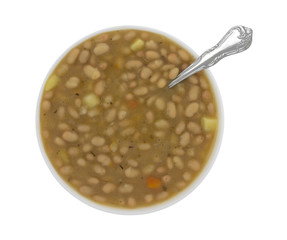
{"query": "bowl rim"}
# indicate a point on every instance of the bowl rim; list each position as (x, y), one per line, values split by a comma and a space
(181, 195)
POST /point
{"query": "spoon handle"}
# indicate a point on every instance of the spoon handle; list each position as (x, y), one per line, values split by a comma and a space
(236, 40)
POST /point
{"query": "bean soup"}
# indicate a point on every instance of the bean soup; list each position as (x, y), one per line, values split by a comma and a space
(115, 132)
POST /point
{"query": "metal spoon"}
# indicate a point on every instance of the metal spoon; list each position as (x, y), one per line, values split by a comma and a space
(236, 40)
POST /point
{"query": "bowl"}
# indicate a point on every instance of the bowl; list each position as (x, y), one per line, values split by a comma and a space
(174, 199)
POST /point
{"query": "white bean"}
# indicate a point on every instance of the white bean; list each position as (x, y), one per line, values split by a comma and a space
(183, 55)
(93, 180)
(130, 35)
(154, 77)
(180, 184)
(198, 140)
(194, 127)
(83, 128)
(173, 73)
(161, 83)
(81, 162)
(87, 147)
(155, 64)
(171, 109)
(132, 162)
(90, 156)
(184, 139)
(46, 105)
(173, 58)
(91, 72)
(148, 169)
(178, 151)
(131, 172)
(104, 159)
(78, 102)
(151, 44)
(48, 95)
(101, 48)
(159, 134)
(62, 70)
(70, 136)
(148, 198)
(193, 93)
(74, 151)
(117, 159)
(178, 162)
(191, 109)
(144, 146)
(193, 164)
(167, 67)
(162, 124)
(122, 114)
(180, 127)
(99, 88)
(126, 188)
(111, 115)
(149, 117)
(160, 104)
(132, 202)
(166, 178)
(59, 141)
(151, 55)
(186, 176)
(211, 108)
(86, 190)
(176, 98)
(98, 141)
(73, 112)
(72, 83)
(84, 56)
(163, 52)
(61, 112)
(66, 170)
(161, 195)
(124, 123)
(64, 126)
(190, 152)
(72, 55)
(169, 163)
(99, 170)
(150, 100)
(140, 91)
(128, 131)
(99, 198)
(203, 82)
(124, 150)
(161, 170)
(108, 188)
(146, 73)
(133, 64)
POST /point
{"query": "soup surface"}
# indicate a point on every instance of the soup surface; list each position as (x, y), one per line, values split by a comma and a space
(115, 132)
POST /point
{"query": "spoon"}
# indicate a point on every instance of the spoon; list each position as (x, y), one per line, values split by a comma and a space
(236, 40)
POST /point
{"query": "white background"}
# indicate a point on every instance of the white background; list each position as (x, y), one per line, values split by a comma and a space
(245, 194)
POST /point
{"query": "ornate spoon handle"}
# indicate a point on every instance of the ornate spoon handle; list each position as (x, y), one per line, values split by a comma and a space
(236, 40)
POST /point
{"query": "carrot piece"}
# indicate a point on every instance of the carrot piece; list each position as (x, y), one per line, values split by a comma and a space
(132, 104)
(153, 182)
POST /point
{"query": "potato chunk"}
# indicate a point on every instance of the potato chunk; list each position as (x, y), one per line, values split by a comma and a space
(137, 45)
(91, 100)
(52, 82)
(209, 124)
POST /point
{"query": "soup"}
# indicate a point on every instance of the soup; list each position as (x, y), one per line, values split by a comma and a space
(114, 131)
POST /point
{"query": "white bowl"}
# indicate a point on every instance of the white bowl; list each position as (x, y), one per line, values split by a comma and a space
(170, 201)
